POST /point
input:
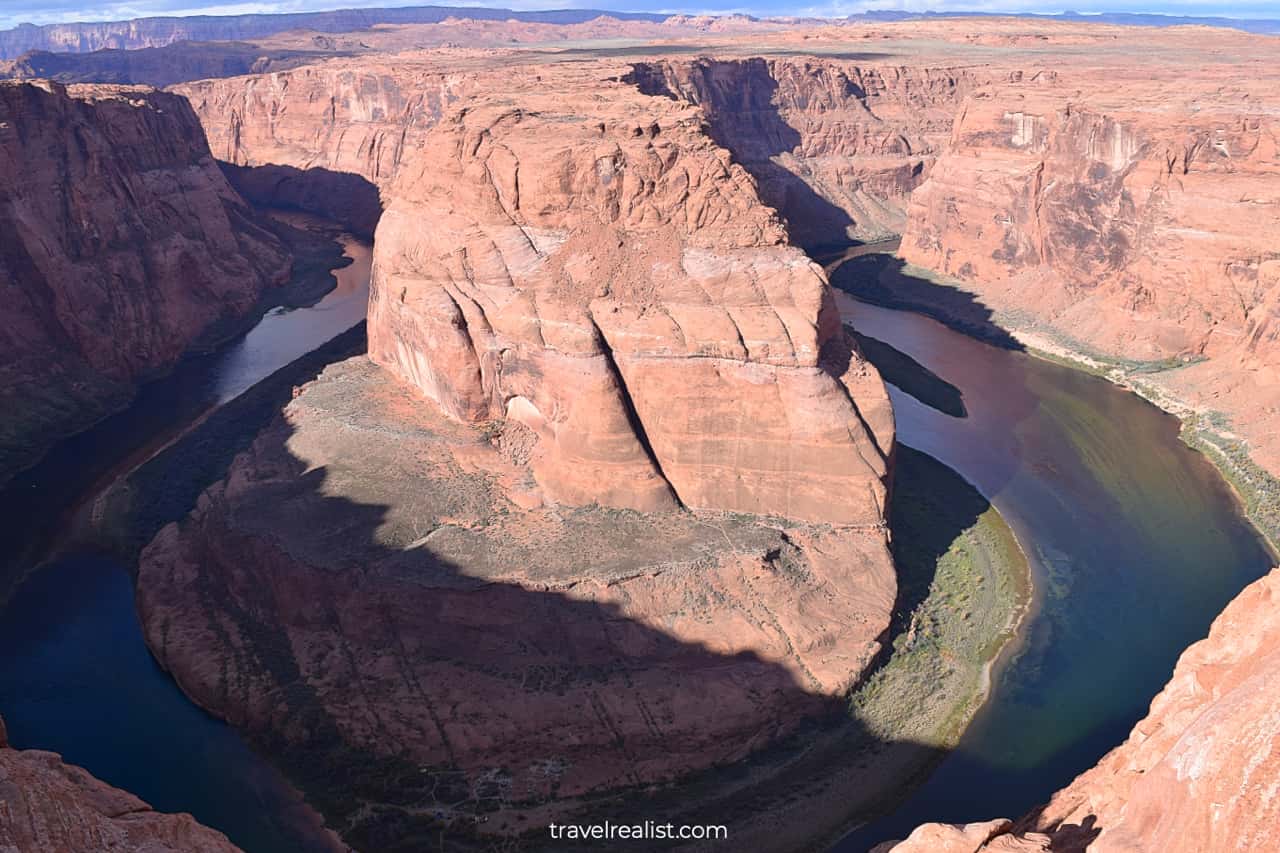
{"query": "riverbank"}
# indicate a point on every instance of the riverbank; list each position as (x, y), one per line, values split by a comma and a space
(881, 279)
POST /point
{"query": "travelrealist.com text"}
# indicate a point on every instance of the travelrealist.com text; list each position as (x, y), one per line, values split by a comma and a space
(647, 831)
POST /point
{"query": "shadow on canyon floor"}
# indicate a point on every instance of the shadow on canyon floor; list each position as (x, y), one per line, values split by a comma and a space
(343, 197)
(888, 281)
(410, 696)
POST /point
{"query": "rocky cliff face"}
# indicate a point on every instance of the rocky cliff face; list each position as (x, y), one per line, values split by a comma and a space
(1141, 226)
(1141, 229)
(836, 146)
(52, 807)
(605, 277)
(325, 138)
(123, 243)
(1199, 773)
(608, 513)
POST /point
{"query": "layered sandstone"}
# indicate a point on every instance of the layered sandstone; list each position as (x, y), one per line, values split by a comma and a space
(603, 275)
(52, 807)
(123, 243)
(1199, 773)
(837, 146)
(376, 584)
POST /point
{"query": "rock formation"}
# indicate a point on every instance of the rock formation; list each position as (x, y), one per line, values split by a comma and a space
(608, 279)
(609, 512)
(53, 807)
(123, 243)
(1199, 773)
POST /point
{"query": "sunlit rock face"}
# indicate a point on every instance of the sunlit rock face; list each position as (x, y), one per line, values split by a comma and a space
(123, 243)
(606, 276)
(836, 145)
(1199, 773)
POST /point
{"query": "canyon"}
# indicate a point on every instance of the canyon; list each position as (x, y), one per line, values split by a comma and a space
(611, 449)
(1197, 774)
(603, 510)
(121, 250)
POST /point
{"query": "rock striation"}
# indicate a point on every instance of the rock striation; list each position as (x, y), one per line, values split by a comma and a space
(1199, 773)
(1135, 223)
(53, 807)
(606, 277)
(123, 243)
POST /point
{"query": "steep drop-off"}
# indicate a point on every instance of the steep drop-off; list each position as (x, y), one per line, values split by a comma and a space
(609, 512)
(53, 807)
(123, 243)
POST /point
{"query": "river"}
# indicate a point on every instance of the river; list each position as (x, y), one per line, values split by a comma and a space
(1135, 544)
(75, 675)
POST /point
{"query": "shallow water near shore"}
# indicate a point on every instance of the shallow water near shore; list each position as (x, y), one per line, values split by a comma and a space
(75, 674)
(1135, 544)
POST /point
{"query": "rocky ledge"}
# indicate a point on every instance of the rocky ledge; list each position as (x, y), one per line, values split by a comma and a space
(54, 807)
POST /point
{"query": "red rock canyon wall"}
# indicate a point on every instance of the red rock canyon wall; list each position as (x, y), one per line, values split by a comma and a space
(123, 242)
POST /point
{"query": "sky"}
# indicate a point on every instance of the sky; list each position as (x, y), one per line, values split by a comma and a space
(13, 12)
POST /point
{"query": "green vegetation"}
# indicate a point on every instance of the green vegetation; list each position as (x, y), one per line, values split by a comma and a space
(963, 583)
(1259, 492)
(963, 586)
(910, 376)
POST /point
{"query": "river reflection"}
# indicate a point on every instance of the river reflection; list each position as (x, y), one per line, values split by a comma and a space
(75, 675)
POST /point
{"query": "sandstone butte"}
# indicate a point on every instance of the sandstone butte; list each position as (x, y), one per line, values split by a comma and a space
(122, 243)
(53, 807)
(603, 506)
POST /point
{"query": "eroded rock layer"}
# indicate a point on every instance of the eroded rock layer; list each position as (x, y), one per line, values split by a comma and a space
(1136, 221)
(122, 243)
(604, 506)
(53, 807)
(837, 146)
